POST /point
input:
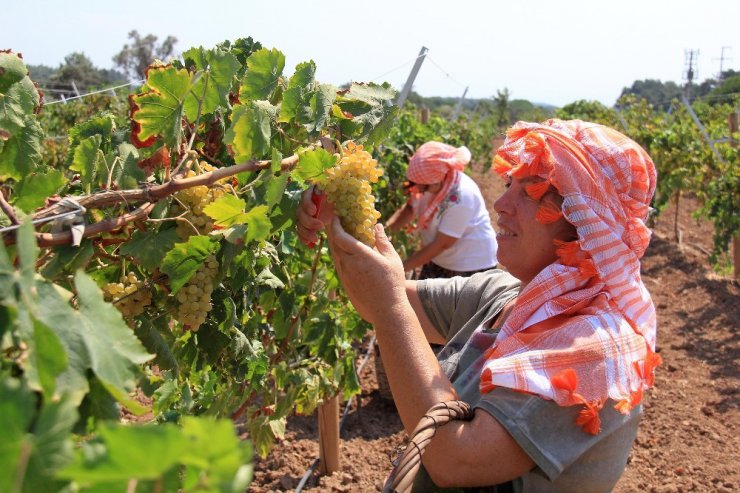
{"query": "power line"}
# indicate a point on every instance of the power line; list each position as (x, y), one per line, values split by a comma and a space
(397, 68)
(447, 74)
(94, 92)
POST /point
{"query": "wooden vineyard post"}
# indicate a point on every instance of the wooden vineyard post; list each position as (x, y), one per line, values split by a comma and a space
(329, 436)
(424, 115)
(732, 120)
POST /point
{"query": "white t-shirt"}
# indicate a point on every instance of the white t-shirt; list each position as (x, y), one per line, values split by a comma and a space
(463, 215)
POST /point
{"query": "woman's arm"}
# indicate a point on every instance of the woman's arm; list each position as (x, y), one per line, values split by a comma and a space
(439, 244)
(479, 452)
(433, 336)
(400, 218)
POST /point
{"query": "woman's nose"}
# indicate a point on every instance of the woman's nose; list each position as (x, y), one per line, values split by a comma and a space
(503, 203)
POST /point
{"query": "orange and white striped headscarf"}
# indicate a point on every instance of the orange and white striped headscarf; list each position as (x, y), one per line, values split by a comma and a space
(435, 162)
(583, 330)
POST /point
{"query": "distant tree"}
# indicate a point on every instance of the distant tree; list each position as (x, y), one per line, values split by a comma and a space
(40, 73)
(134, 58)
(657, 93)
(521, 109)
(730, 85)
(501, 108)
(79, 69)
(592, 111)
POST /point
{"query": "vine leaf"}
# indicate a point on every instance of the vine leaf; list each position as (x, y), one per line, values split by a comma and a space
(47, 443)
(296, 102)
(209, 449)
(259, 226)
(33, 189)
(264, 69)
(13, 70)
(370, 108)
(312, 164)
(227, 211)
(114, 350)
(93, 337)
(251, 130)
(150, 247)
(159, 111)
(222, 67)
(21, 152)
(17, 102)
(16, 412)
(321, 104)
(115, 455)
(183, 260)
(130, 173)
(68, 258)
(51, 445)
(102, 126)
(85, 160)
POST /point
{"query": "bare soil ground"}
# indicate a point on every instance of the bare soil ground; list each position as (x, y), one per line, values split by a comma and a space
(688, 438)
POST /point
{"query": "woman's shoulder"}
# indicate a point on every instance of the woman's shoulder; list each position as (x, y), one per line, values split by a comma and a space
(492, 282)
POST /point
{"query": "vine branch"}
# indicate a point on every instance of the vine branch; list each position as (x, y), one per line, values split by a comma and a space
(153, 193)
(8, 209)
(150, 195)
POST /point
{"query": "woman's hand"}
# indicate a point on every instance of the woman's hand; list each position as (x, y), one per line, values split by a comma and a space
(309, 222)
(373, 278)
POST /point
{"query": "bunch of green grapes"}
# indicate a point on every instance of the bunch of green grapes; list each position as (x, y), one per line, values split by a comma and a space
(194, 299)
(347, 185)
(194, 200)
(131, 296)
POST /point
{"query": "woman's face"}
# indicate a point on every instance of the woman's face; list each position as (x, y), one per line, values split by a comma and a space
(433, 188)
(525, 246)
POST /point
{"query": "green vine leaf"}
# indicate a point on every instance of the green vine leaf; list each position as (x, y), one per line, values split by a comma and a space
(259, 226)
(130, 174)
(150, 247)
(103, 126)
(251, 130)
(20, 152)
(52, 447)
(227, 211)
(297, 97)
(32, 454)
(312, 165)
(183, 260)
(222, 68)
(159, 111)
(33, 189)
(85, 160)
(264, 69)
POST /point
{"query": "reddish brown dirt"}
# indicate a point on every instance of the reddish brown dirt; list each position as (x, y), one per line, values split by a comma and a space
(688, 438)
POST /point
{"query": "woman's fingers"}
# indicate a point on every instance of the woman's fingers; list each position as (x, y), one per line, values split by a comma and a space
(308, 225)
(343, 240)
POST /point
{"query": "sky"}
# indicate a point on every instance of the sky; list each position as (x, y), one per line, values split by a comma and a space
(545, 51)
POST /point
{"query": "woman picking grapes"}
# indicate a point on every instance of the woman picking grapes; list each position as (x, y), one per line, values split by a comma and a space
(451, 216)
(553, 355)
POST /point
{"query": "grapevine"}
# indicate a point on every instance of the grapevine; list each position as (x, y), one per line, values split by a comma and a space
(219, 310)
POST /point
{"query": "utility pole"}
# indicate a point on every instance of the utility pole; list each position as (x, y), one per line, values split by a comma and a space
(690, 59)
(722, 59)
(412, 76)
